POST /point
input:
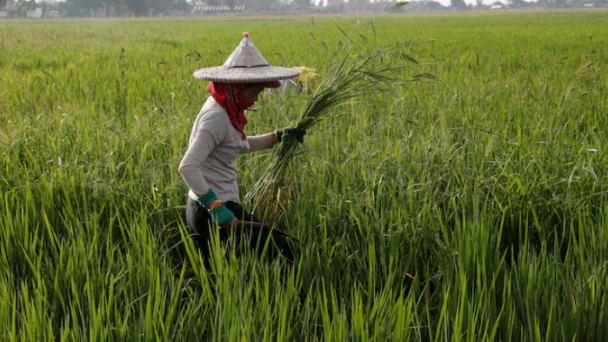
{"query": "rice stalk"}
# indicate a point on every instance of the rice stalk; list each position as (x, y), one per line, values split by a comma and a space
(347, 79)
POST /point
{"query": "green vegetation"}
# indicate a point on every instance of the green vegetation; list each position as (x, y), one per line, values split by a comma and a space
(488, 186)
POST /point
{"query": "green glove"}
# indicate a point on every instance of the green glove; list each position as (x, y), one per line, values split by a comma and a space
(221, 215)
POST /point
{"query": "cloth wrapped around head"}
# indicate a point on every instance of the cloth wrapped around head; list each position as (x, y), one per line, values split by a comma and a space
(230, 97)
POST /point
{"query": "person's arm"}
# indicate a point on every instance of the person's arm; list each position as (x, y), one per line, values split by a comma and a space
(260, 142)
(190, 168)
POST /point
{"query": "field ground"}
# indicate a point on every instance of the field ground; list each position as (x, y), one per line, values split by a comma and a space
(467, 207)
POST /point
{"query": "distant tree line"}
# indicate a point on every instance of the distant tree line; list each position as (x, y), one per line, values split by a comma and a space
(128, 8)
(113, 8)
(521, 4)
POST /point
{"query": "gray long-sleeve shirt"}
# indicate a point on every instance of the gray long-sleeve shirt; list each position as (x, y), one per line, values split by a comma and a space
(210, 160)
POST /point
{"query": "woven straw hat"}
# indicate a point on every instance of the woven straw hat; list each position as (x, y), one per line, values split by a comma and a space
(245, 64)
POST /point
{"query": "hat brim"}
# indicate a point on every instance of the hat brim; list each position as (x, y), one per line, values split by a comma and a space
(271, 84)
(242, 75)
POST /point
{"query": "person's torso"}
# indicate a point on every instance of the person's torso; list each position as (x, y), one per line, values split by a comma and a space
(219, 169)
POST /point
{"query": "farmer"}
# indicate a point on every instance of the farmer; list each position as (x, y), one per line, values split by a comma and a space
(217, 138)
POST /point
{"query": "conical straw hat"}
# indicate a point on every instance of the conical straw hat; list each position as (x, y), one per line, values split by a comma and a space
(245, 64)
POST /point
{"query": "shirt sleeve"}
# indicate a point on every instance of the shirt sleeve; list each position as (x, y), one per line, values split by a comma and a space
(207, 138)
(260, 142)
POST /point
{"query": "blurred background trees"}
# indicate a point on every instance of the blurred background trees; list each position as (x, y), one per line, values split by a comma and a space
(138, 8)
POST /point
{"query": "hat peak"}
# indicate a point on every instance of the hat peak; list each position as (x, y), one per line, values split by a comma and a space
(246, 55)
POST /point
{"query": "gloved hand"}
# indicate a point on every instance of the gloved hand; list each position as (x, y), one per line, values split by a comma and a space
(295, 132)
(221, 215)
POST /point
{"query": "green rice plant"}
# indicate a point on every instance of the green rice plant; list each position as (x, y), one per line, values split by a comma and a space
(349, 76)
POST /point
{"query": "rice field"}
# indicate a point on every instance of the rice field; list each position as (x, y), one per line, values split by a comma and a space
(470, 207)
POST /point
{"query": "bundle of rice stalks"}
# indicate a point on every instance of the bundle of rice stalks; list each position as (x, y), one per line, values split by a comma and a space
(347, 78)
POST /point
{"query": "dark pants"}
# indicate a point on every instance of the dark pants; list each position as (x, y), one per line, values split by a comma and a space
(255, 237)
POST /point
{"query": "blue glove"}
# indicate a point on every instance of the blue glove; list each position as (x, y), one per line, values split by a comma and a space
(221, 215)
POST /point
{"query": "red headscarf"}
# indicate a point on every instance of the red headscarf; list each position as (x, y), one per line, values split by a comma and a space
(233, 102)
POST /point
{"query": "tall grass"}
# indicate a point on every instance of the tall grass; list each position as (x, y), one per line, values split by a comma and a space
(469, 209)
